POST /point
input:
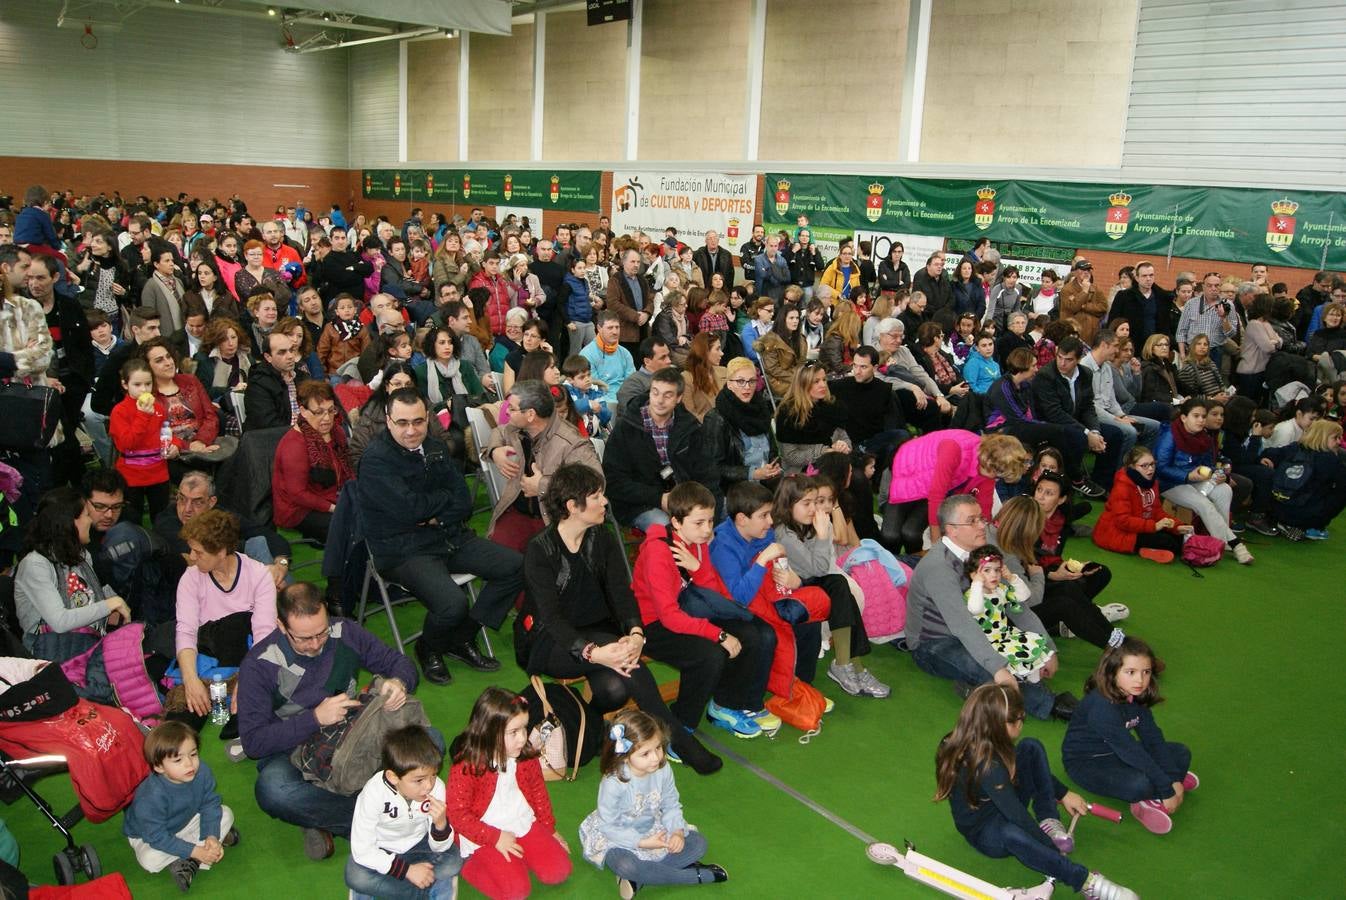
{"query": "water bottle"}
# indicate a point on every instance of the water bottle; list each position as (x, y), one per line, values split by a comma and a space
(219, 701)
(165, 439)
(782, 568)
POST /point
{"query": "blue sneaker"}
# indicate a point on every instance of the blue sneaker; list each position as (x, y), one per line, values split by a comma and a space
(1316, 534)
(741, 723)
(671, 755)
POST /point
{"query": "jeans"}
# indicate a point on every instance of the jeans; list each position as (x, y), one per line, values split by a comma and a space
(675, 868)
(650, 517)
(1109, 776)
(1144, 432)
(366, 883)
(95, 425)
(447, 622)
(948, 658)
(1000, 837)
(283, 794)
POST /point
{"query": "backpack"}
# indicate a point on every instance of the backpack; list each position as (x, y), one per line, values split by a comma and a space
(1201, 550)
(1293, 475)
(803, 708)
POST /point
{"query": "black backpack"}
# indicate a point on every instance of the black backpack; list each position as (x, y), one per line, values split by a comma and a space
(1293, 475)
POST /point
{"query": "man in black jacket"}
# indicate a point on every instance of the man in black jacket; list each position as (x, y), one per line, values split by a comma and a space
(931, 282)
(414, 506)
(1146, 306)
(713, 258)
(71, 369)
(748, 251)
(654, 447)
(107, 390)
(873, 416)
(340, 269)
(1064, 395)
(270, 400)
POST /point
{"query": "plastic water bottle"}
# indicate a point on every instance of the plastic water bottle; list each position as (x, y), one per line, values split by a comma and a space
(782, 566)
(219, 701)
(165, 439)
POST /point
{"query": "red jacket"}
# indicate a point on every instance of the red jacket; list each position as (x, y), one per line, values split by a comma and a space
(135, 434)
(194, 394)
(276, 259)
(292, 494)
(470, 795)
(1127, 515)
(656, 583)
(500, 301)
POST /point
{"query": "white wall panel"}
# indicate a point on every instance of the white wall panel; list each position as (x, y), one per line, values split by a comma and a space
(1239, 91)
(373, 104)
(170, 85)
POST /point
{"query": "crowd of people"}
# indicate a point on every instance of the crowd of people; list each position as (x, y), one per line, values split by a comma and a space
(807, 457)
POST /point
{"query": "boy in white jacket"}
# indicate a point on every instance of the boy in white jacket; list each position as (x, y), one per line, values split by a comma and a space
(401, 842)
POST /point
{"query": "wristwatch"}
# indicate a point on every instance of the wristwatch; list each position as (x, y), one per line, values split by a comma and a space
(282, 561)
(723, 636)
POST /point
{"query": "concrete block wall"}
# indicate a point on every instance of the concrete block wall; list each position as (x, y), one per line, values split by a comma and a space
(693, 79)
(432, 99)
(1028, 82)
(832, 80)
(500, 85)
(584, 70)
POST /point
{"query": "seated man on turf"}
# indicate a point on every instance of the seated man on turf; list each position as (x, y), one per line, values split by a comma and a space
(720, 659)
(414, 508)
(653, 447)
(945, 639)
(300, 678)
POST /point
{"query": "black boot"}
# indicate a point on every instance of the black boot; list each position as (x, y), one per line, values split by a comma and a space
(693, 753)
(468, 654)
(432, 664)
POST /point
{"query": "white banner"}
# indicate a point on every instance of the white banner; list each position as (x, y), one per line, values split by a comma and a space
(692, 202)
(917, 249)
(533, 215)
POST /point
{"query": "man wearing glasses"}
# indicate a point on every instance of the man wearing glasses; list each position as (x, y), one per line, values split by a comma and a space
(414, 506)
(944, 638)
(122, 551)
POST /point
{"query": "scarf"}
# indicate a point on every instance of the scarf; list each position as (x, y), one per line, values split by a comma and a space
(347, 331)
(608, 349)
(1146, 487)
(1194, 445)
(328, 463)
(752, 418)
(104, 278)
(435, 372)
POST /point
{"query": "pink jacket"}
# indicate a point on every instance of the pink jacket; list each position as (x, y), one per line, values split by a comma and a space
(934, 465)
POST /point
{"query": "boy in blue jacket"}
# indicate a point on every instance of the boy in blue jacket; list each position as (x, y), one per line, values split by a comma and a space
(176, 820)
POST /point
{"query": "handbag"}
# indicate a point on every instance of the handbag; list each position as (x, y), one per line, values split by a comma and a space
(31, 413)
(559, 745)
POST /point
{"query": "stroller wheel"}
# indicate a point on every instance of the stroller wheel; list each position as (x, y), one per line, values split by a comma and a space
(65, 868)
(92, 865)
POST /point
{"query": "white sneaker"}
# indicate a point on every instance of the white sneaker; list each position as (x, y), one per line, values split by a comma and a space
(872, 687)
(1242, 554)
(1115, 612)
(846, 676)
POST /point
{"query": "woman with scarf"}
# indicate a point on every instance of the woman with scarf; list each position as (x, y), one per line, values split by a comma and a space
(446, 379)
(312, 463)
(738, 429)
(1185, 455)
(1158, 373)
(207, 288)
(222, 366)
(105, 277)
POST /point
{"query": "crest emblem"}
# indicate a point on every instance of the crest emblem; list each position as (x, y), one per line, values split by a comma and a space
(1281, 225)
(782, 197)
(1119, 214)
(983, 214)
(874, 202)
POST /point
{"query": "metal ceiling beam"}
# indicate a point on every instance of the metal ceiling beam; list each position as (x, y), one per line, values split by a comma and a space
(396, 36)
(81, 13)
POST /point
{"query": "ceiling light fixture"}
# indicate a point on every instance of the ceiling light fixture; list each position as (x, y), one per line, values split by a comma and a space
(270, 10)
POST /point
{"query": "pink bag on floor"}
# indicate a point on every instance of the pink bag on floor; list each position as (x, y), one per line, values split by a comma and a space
(885, 609)
(1201, 550)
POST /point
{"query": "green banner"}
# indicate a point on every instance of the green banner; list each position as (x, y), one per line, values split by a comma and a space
(576, 191)
(1290, 228)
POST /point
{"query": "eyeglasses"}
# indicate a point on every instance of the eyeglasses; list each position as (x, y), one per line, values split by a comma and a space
(743, 382)
(318, 638)
(108, 507)
(409, 423)
(327, 412)
(970, 523)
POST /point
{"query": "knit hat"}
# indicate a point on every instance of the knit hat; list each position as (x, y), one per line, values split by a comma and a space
(738, 364)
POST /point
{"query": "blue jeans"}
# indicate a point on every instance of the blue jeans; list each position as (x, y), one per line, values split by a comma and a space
(1000, 837)
(948, 658)
(1109, 776)
(672, 869)
(283, 794)
(366, 883)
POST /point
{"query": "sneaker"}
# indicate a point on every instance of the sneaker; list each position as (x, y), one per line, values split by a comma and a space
(1190, 782)
(1242, 554)
(1064, 630)
(1261, 525)
(231, 839)
(1099, 887)
(672, 755)
(1316, 534)
(767, 721)
(1090, 489)
(1163, 557)
(741, 723)
(872, 687)
(1237, 527)
(235, 750)
(1153, 816)
(695, 755)
(1290, 532)
(845, 676)
(1115, 612)
(627, 889)
(318, 844)
(1058, 834)
(184, 870)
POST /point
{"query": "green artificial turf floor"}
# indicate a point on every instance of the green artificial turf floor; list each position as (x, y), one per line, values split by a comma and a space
(1251, 687)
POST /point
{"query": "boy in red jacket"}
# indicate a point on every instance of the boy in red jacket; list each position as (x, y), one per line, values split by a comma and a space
(723, 659)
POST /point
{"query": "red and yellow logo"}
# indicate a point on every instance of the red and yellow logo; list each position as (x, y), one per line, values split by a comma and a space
(397, 184)
(429, 184)
(1119, 215)
(1281, 225)
(782, 197)
(874, 202)
(467, 185)
(555, 190)
(983, 214)
(509, 186)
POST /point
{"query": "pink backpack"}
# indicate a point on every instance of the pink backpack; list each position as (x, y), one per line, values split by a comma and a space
(1201, 550)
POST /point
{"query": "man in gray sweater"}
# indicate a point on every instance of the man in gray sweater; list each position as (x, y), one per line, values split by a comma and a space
(945, 639)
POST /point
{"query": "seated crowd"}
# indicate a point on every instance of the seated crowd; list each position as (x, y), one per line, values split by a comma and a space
(796, 450)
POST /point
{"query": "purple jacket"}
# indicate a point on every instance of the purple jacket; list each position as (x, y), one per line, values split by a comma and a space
(278, 688)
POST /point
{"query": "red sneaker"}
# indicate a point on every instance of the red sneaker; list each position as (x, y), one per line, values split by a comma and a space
(1159, 556)
(1190, 782)
(1153, 816)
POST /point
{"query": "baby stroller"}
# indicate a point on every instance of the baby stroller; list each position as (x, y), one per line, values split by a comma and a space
(46, 727)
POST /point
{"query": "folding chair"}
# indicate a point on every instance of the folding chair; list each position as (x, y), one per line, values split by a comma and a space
(464, 580)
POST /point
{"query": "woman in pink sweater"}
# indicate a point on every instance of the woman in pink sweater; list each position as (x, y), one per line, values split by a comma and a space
(223, 599)
(939, 464)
